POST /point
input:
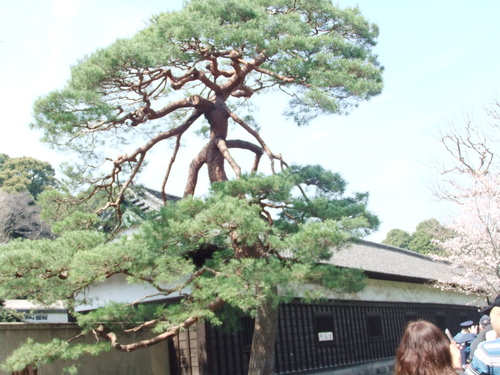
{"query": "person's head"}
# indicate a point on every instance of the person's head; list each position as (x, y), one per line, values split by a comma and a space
(493, 310)
(495, 319)
(466, 325)
(424, 349)
(484, 321)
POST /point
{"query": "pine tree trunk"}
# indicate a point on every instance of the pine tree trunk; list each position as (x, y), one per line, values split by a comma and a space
(29, 370)
(263, 342)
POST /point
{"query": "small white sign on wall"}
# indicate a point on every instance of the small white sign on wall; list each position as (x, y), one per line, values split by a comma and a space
(325, 336)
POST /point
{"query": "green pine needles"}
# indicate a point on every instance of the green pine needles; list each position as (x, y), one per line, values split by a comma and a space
(197, 247)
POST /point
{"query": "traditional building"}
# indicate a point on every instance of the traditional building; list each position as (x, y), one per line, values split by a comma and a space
(345, 334)
(33, 313)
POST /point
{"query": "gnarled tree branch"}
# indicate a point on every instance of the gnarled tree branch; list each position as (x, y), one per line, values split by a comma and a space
(238, 143)
(257, 136)
(113, 340)
(221, 144)
(194, 169)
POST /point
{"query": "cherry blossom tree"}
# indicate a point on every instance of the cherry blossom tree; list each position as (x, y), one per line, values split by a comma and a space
(470, 182)
(475, 247)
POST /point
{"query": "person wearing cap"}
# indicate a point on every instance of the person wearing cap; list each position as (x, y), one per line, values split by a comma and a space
(465, 338)
(465, 331)
(484, 321)
(484, 328)
(486, 358)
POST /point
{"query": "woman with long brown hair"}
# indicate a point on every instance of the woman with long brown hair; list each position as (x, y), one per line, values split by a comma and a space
(425, 350)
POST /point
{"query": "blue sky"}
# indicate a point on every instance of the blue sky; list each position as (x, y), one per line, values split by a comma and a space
(441, 59)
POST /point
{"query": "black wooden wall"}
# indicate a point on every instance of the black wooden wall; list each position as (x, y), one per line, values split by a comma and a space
(352, 333)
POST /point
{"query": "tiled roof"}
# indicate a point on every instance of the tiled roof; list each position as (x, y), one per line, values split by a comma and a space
(148, 199)
(25, 305)
(389, 260)
(364, 255)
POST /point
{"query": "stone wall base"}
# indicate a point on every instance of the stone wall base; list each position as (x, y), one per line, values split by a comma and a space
(370, 368)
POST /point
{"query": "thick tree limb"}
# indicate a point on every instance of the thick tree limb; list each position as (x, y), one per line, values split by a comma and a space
(211, 85)
(213, 67)
(238, 143)
(221, 144)
(194, 169)
(257, 136)
(243, 91)
(195, 101)
(111, 337)
(178, 83)
(241, 72)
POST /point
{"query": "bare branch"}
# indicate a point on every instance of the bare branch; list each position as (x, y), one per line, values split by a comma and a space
(81, 334)
(469, 147)
(160, 137)
(169, 168)
(164, 291)
(109, 180)
(283, 78)
(144, 325)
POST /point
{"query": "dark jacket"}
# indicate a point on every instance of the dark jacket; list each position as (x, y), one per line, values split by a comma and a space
(481, 336)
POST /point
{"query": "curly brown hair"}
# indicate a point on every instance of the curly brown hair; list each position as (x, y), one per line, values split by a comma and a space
(424, 350)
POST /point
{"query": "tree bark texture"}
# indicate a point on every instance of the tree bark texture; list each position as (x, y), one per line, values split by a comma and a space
(218, 120)
(264, 339)
(29, 370)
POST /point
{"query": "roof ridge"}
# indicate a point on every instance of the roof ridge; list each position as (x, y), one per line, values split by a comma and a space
(396, 249)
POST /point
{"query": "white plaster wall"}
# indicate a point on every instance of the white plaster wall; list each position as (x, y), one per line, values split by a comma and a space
(57, 318)
(394, 291)
(117, 289)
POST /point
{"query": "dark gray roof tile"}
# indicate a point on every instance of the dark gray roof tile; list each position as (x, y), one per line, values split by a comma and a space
(389, 260)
